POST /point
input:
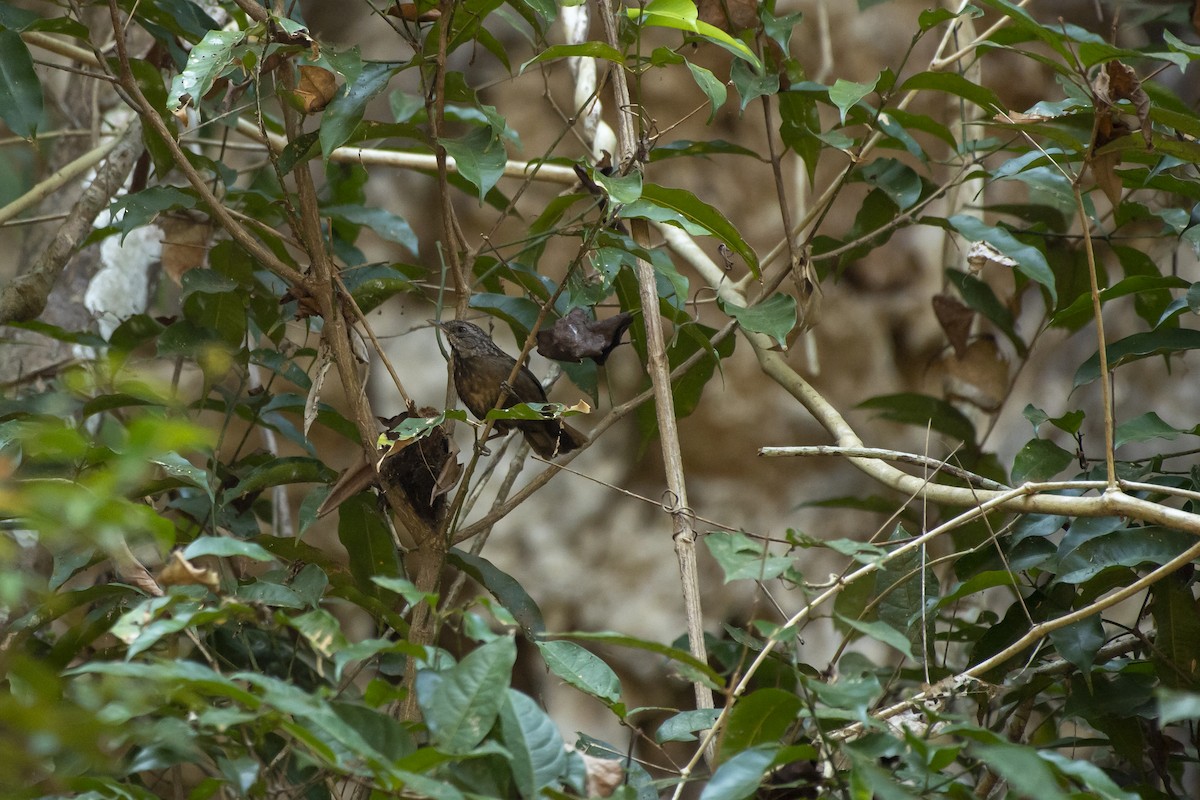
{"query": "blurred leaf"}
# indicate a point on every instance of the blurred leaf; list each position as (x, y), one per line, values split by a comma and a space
(20, 90)
(744, 558)
(683, 726)
(379, 221)
(739, 777)
(225, 547)
(1164, 341)
(922, 410)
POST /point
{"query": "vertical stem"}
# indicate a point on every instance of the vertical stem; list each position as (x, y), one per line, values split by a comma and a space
(1106, 397)
(683, 531)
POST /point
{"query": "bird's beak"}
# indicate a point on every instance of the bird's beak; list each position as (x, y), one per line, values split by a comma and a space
(436, 324)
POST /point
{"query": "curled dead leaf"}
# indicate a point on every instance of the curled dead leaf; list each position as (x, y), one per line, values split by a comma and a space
(178, 571)
(955, 319)
(980, 254)
(604, 775)
(1113, 83)
(316, 88)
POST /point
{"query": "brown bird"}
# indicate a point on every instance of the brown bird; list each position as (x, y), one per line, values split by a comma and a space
(480, 370)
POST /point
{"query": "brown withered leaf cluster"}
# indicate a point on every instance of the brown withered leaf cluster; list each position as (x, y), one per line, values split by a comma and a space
(577, 336)
(1113, 83)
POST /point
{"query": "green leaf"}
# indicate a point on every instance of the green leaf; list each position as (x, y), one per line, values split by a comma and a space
(503, 587)
(1176, 706)
(681, 15)
(1040, 460)
(1026, 773)
(480, 158)
(584, 50)
(622, 189)
(208, 59)
(761, 717)
(955, 84)
(137, 210)
(904, 586)
(1090, 775)
(775, 316)
(673, 653)
(364, 533)
(1164, 341)
(685, 209)
(750, 83)
(1030, 260)
(466, 702)
(740, 776)
(712, 87)
(582, 669)
(744, 558)
(683, 726)
(225, 547)
(1147, 426)
(282, 472)
(1079, 642)
(898, 181)
(881, 632)
(1079, 312)
(380, 221)
(845, 94)
(538, 757)
(21, 102)
(982, 298)
(1128, 547)
(922, 410)
(341, 117)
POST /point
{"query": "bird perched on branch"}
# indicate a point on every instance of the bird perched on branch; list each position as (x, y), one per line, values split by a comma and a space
(480, 372)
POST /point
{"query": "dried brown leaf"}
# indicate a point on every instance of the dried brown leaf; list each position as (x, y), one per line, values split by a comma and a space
(316, 88)
(955, 319)
(178, 571)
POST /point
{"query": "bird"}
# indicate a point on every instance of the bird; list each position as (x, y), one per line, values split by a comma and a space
(481, 369)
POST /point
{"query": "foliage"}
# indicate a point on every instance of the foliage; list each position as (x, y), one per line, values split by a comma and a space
(228, 669)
